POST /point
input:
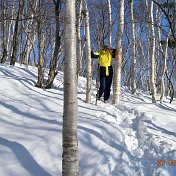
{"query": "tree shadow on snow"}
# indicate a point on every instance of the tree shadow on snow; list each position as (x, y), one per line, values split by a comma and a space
(165, 107)
(155, 127)
(25, 158)
(17, 77)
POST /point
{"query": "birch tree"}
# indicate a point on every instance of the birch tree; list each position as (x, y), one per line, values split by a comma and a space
(40, 81)
(152, 55)
(88, 53)
(79, 47)
(118, 54)
(30, 34)
(15, 34)
(10, 29)
(109, 23)
(160, 54)
(133, 48)
(53, 63)
(164, 70)
(70, 161)
(4, 31)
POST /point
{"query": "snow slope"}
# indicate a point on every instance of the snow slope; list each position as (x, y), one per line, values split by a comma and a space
(126, 140)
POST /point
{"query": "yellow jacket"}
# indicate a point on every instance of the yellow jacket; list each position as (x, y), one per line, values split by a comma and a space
(104, 59)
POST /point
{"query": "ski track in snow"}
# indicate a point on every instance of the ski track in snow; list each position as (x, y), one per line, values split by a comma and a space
(142, 149)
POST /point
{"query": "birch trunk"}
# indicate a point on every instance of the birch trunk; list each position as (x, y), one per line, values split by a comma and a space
(133, 46)
(158, 55)
(40, 81)
(29, 40)
(53, 63)
(118, 54)
(109, 23)
(4, 28)
(15, 38)
(164, 68)
(79, 48)
(15, 35)
(10, 29)
(148, 44)
(33, 6)
(163, 72)
(88, 54)
(152, 55)
(70, 161)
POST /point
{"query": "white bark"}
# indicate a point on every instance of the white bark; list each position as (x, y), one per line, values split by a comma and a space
(152, 56)
(109, 23)
(40, 82)
(79, 48)
(29, 45)
(15, 33)
(11, 26)
(118, 55)
(70, 162)
(164, 68)
(4, 31)
(88, 54)
(133, 48)
(163, 72)
(148, 37)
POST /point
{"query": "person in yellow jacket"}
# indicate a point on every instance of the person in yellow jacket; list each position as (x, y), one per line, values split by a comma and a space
(105, 56)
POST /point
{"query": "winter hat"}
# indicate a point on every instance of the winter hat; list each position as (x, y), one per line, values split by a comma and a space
(107, 47)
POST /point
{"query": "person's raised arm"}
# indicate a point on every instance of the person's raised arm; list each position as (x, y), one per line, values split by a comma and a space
(94, 54)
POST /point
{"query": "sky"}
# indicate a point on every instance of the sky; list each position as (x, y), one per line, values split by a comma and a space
(135, 138)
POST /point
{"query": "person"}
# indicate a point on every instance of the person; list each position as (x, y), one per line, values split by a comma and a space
(104, 56)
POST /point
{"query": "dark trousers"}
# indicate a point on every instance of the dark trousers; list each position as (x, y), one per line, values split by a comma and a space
(105, 82)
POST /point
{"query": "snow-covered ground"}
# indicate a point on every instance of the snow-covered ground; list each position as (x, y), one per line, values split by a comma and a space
(133, 139)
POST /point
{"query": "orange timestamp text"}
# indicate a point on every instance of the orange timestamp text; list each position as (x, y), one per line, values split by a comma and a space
(166, 162)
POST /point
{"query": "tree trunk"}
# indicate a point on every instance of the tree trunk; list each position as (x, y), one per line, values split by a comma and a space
(152, 55)
(70, 160)
(162, 77)
(4, 28)
(79, 48)
(148, 44)
(53, 63)
(10, 30)
(40, 82)
(88, 54)
(118, 54)
(109, 23)
(15, 35)
(29, 39)
(133, 46)
(15, 38)
(164, 70)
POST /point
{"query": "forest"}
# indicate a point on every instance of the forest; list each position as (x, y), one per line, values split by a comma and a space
(32, 34)
(59, 35)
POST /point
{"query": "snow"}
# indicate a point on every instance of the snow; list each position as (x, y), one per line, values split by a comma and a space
(124, 140)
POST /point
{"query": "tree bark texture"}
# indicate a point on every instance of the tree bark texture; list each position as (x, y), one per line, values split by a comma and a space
(133, 48)
(53, 63)
(15, 35)
(109, 23)
(4, 55)
(70, 160)
(79, 47)
(152, 55)
(118, 54)
(88, 54)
